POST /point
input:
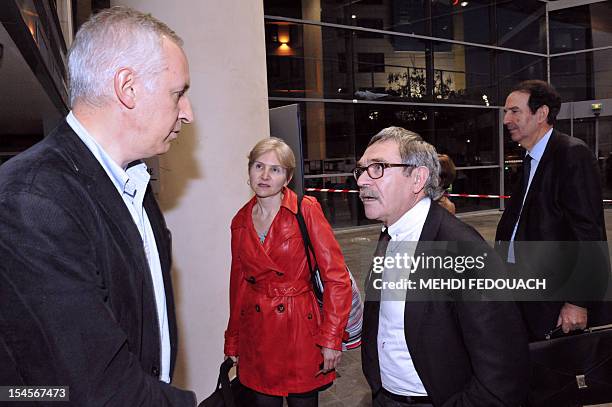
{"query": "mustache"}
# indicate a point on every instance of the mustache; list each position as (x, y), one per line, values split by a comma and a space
(366, 193)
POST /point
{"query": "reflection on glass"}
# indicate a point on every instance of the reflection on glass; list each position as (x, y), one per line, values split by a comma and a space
(512, 24)
(583, 76)
(521, 25)
(335, 63)
(513, 68)
(581, 27)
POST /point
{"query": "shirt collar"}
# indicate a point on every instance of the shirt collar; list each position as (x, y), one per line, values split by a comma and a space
(135, 178)
(537, 151)
(412, 220)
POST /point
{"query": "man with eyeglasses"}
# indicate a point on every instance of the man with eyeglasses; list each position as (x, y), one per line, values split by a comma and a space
(429, 353)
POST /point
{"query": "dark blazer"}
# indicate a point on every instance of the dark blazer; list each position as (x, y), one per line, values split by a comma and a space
(77, 305)
(563, 204)
(465, 353)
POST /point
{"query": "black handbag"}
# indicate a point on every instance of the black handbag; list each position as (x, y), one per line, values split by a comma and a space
(574, 369)
(226, 394)
(352, 337)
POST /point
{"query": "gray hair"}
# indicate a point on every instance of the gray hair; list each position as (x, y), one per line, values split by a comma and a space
(110, 40)
(398, 134)
(416, 152)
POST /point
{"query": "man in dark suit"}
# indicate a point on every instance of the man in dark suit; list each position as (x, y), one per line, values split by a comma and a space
(558, 199)
(439, 353)
(85, 290)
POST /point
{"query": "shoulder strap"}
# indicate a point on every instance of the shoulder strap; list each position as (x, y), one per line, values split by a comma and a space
(315, 276)
(305, 237)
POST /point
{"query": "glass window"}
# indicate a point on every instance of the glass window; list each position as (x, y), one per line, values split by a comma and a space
(314, 61)
(521, 24)
(419, 78)
(512, 68)
(583, 76)
(581, 27)
(476, 181)
(513, 24)
(370, 62)
(376, 23)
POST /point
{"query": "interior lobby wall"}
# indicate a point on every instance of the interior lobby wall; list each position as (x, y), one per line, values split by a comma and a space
(203, 177)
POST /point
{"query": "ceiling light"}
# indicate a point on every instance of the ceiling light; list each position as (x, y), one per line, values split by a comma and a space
(464, 3)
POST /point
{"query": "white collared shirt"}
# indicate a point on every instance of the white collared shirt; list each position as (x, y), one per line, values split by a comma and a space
(397, 371)
(536, 153)
(131, 185)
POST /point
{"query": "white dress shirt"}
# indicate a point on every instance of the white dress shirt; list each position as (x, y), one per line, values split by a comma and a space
(131, 185)
(397, 370)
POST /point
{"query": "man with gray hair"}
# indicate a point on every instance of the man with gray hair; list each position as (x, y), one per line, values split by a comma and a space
(426, 352)
(85, 290)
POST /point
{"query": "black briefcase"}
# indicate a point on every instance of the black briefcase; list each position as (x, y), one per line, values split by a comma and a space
(573, 369)
(226, 394)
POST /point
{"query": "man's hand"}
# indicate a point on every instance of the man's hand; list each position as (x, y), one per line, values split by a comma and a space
(331, 359)
(572, 317)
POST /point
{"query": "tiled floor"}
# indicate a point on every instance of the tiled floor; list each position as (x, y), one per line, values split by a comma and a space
(351, 389)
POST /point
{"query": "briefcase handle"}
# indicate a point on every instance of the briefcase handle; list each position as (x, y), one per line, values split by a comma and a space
(598, 328)
(558, 332)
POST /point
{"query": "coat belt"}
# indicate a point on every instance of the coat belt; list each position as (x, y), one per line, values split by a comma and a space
(282, 290)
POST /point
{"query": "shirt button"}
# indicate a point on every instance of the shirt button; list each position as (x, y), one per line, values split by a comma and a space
(278, 273)
(281, 308)
(155, 371)
(257, 308)
(309, 316)
(251, 280)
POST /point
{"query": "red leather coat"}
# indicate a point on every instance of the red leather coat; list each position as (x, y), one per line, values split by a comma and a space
(275, 325)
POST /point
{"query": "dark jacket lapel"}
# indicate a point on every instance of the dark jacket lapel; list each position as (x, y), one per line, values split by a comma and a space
(101, 188)
(537, 183)
(104, 193)
(163, 241)
(414, 311)
(538, 177)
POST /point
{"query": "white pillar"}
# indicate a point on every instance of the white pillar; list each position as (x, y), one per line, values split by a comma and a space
(203, 177)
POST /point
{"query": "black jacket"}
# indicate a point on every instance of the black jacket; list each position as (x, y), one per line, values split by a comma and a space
(564, 201)
(465, 353)
(77, 306)
(563, 206)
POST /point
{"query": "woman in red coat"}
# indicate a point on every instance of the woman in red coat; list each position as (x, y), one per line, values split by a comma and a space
(283, 344)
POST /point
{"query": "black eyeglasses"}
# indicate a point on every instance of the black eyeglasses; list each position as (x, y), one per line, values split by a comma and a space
(376, 170)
